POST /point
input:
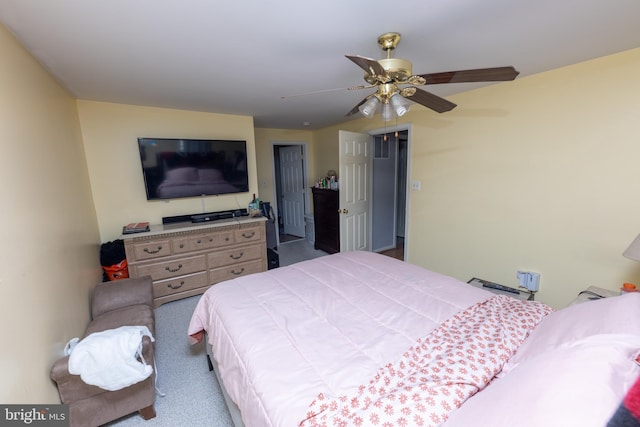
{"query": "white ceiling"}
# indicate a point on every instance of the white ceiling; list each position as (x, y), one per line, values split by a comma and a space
(241, 57)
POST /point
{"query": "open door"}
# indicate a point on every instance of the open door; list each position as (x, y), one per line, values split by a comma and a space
(383, 192)
(355, 191)
(292, 182)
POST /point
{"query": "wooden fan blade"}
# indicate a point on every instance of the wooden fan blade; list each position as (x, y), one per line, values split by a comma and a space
(369, 65)
(355, 110)
(430, 100)
(497, 74)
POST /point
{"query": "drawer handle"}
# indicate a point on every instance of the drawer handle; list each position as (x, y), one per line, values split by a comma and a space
(176, 286)
(237, 273)
(181, 245)
(248, 236)
(173, 270)
(236, 257)
(147, 250)
(226, 239)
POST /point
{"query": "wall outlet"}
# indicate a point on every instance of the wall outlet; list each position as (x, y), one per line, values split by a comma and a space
(529, 280)
(415, 185)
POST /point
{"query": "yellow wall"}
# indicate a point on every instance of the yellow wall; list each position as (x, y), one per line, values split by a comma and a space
(541, 174)
(538, 174)
(49, 254)
(110, 133)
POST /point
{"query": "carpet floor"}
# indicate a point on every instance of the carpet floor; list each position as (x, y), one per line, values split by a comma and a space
(192, 396)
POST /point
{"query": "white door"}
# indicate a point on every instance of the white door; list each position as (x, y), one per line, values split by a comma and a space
(355, 191)
(292, 182)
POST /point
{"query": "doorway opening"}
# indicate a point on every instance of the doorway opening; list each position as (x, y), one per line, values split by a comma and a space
(390, 190)
(291, 202)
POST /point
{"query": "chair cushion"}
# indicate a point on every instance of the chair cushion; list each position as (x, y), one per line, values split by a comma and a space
(135, 315)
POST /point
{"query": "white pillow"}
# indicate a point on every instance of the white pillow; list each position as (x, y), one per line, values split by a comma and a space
(577, 383)
(614, 315)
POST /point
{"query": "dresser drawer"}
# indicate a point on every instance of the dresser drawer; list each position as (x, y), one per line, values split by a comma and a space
(179, 284)
(236, 270)
(208, 241)
(247, 235)
(150, 250)
(234, 256)
(178, 267)
(180, 245)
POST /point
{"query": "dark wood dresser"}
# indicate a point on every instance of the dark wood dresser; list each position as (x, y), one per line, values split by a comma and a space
(326, 220)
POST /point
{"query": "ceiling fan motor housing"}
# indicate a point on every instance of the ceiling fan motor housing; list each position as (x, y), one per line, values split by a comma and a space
(398, 69)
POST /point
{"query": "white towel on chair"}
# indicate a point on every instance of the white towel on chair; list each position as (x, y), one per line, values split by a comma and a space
(109, 359)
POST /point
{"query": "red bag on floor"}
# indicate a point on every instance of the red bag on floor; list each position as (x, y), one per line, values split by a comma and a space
(117, 271)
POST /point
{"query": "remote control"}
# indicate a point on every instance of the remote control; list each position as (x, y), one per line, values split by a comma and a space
(500, 287)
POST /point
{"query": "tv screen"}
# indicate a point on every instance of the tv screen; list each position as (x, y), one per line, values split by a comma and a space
(175, 168)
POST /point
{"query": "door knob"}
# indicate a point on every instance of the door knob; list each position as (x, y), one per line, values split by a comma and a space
(343, 211)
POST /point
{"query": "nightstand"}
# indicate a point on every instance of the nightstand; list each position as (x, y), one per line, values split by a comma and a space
(594, 293)
(521, 295)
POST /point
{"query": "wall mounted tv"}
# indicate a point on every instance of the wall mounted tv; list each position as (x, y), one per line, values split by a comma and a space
(176, 168)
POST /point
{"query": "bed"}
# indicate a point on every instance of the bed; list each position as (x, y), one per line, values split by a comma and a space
(357, 338)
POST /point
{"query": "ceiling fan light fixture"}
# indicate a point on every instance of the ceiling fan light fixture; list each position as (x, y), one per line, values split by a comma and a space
(387, 112)
(391, 75)
(400, 104)
(368, 109)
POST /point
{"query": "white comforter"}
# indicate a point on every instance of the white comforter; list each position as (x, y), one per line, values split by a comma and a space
(347, 315)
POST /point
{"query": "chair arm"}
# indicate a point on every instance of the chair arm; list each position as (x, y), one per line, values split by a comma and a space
(71, 387)
(121, 293)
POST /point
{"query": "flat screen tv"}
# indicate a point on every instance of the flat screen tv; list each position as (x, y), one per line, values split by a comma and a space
(176, 168)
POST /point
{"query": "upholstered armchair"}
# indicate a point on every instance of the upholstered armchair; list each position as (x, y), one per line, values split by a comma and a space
(126, 302)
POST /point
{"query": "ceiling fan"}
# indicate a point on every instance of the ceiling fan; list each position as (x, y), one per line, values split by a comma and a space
(396, 85)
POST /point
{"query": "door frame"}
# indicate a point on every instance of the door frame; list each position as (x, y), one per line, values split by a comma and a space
(305, 181)
(391, 129)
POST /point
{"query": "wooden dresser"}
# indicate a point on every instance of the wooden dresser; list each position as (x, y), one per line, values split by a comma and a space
(326, 220)
(185, 259)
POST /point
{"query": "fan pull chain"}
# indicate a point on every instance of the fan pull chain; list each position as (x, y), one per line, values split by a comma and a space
(384, 138)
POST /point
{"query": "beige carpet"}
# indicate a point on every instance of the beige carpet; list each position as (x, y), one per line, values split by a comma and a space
(296, 251)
